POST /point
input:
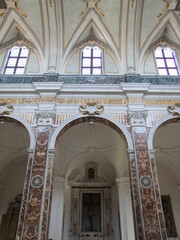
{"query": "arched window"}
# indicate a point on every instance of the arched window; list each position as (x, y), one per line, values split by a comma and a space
(166, 61)
(91, 60)
(17, 60)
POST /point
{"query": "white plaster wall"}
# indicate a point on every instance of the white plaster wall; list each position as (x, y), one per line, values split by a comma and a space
(168, 186)
(57, 211)
(149, 65)
(2, 59)
(115, 213)
(13, 185)
(73, 64)
(67, 209)
(32, 64)
(109, 64)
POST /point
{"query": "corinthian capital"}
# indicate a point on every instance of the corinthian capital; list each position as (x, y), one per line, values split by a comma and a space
(137, 118)
(45, 117)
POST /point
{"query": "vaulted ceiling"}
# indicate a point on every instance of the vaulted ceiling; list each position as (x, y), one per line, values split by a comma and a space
(54, 28)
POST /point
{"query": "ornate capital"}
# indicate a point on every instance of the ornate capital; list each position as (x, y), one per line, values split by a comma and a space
(174, 110)
(45, 117)
(5, 109)
(91, 108)
(137, 118)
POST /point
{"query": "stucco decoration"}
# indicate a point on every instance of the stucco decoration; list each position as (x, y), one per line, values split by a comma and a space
(137, 117)
(5, 108)
(45, 117)
(174, 110)
(145, 181)
(170, 5)
(92, 4)
(37, 181)
(91, 108)
(12, 4)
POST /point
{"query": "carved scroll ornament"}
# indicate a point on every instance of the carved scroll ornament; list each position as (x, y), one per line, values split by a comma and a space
(5, 109)
(91, 108)
(174, 110)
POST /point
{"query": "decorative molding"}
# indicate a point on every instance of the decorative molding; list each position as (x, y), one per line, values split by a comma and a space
(91, 40)
(18, 40)
(5, 108)
(78, 101)
(37, 181)
(137, 118)
(45, 117)
(174, 110)
(170, 5)
(145, 181)
(91, 108)
(12, 4)
(164, 41)
(100, 80)
(50, 3)
(90, 4)
(132, 3)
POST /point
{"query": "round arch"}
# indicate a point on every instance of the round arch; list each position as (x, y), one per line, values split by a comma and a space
(155, 127)
(26, 125)
(84, 118)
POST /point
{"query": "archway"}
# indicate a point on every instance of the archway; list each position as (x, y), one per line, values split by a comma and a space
(91, 166)
(167, 151)
(14, 142)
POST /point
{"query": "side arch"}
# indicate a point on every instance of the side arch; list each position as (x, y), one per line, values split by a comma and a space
(26, 125)
(82, 118)
(155, 127)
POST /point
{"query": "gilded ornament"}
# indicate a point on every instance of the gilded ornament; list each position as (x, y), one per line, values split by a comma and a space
(91, 108)
(132, 3)
(174, 110)
(12, 4)
(5, 108)
(92, 4)
(170, 5)
(50, 3)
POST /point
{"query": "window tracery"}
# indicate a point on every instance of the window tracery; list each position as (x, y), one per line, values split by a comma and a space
(91, 60)
(17, 60)
(166, 61)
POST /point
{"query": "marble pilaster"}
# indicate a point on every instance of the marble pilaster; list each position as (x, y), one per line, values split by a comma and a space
(34, 216)
(152, 223)
(25, 195)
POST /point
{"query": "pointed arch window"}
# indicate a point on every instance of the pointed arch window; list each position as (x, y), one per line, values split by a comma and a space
(91, 60)
(17, 60)
(166, 61)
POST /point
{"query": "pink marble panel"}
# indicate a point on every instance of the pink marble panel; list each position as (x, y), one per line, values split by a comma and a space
(148, 199)
(47, 200)
(24, 197)
(158, 199)
(34, 204)
(136, 199)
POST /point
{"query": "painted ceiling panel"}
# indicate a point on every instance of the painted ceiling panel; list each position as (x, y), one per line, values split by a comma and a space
(72, 11)
(150, 17)
(111, 10)
(34, 16)
(96, 31)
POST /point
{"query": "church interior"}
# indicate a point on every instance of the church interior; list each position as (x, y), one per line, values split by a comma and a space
(89, 119)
